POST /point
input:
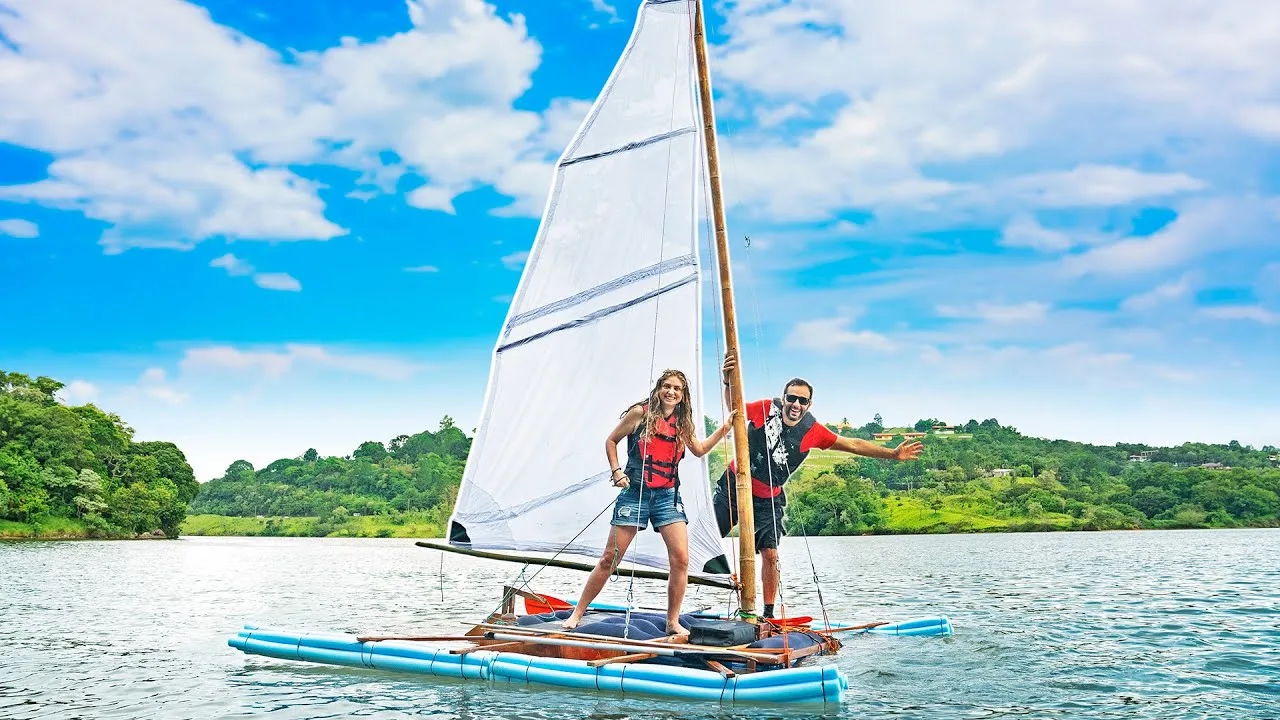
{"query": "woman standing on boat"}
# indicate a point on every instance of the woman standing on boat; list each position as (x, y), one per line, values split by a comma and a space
(658, 433)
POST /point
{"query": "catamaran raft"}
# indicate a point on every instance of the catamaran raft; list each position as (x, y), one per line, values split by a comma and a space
(610, 295)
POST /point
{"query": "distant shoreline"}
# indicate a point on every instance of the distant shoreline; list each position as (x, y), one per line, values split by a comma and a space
(371, 527)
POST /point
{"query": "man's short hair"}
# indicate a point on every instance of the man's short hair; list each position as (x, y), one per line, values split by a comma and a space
(797, 381)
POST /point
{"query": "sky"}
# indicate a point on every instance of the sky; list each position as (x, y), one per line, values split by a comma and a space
(253, 228)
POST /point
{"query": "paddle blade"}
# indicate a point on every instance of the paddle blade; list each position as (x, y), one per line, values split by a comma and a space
(551, 604)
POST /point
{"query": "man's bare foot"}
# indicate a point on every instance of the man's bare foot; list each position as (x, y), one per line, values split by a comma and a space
(676, 629)
(571, 622)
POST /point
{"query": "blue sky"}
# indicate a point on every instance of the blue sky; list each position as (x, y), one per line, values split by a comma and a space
(253, 228)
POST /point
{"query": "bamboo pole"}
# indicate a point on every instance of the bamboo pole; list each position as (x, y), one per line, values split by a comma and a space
(742, 490)
(681, 641)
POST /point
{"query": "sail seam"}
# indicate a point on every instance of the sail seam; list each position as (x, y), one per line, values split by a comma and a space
(591, 293)
(518, 510)
(635, 145)
(604, 312)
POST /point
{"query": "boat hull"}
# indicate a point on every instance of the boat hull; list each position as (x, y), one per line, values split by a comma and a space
(819, 683)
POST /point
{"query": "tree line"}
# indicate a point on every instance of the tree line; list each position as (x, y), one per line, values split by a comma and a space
(81, 465)
(998, 478)
(410, 473)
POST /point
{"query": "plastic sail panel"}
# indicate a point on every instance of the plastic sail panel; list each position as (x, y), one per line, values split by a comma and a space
(592, 325)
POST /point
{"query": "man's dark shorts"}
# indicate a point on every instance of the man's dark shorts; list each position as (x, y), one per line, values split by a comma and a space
(767, 513)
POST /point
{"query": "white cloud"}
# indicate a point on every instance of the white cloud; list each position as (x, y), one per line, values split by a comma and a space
(423, 269)
(1024, 231)
(1203, 227)
(19, 228)
(191, 133)
(832, 334)
(1263, 119)
(78, 392)
(1159, 296)
(603, 7)
(155, 384)
(277, 281)
(1098, 185)
(1080, 355)
(1093, 85)
(1256, 313)
(515, 260)
(276, 363)
(232, 264)
(1027, 312)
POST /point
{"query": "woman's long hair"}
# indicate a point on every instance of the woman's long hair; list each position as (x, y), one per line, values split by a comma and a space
(683, 414)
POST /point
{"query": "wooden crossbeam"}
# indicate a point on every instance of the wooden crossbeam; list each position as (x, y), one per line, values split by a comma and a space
(634, 657)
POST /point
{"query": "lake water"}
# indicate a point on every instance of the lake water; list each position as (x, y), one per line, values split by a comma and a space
(1081, 625)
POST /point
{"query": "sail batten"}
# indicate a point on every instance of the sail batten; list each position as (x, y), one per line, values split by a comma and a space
(609, 298)
(615, 284)
(602, 313)
(635, 145)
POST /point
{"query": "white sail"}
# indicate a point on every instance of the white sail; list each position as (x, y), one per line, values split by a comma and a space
(609, 298)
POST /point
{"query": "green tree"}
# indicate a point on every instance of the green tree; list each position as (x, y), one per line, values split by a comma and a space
(371, 450)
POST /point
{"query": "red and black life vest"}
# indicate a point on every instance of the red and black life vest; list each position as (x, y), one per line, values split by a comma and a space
(656, 457)
(776, 450)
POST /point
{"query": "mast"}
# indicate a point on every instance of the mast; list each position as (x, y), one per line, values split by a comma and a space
(746, 520)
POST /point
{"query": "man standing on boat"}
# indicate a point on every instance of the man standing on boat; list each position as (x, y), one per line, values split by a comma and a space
(780, 434)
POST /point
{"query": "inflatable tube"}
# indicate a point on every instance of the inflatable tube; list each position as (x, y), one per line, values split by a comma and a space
(919, 627)
(811, 684)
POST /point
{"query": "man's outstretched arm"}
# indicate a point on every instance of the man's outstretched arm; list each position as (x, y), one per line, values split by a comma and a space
(866, 448)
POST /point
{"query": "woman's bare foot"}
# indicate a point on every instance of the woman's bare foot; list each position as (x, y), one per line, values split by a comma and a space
(571, 622)
(676, 629)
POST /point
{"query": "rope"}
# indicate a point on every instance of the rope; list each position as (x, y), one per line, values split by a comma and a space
(653, 355)
(520, 573)
(756, 325)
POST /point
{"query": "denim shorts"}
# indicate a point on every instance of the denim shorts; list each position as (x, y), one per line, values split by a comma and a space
(638, 509)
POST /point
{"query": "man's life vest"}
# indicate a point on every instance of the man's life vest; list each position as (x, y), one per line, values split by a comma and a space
(775, 450)
(655, 459)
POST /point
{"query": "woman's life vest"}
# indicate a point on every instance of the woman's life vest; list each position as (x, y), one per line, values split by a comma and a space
(654, 460)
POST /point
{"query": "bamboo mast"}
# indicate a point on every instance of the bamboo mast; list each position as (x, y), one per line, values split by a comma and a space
(746, 520)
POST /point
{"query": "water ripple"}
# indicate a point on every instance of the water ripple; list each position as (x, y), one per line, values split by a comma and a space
(1132, 625)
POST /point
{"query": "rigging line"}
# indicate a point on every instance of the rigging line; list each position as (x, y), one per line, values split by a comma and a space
(778, 564)
(822, 604)
(557, 554)
(653, 359)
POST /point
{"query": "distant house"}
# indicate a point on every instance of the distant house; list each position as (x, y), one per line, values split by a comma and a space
(906, 435)
(1001, 472)
(943, 429)
(1144, 456)
(1215, 466)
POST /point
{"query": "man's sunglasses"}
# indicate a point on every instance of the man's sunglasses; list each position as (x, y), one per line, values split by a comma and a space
(797, 399)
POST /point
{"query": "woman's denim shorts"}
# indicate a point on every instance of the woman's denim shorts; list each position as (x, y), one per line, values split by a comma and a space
(640, 508)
